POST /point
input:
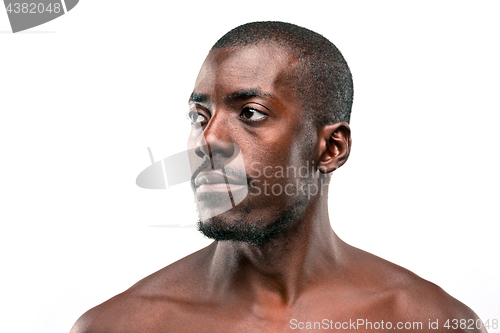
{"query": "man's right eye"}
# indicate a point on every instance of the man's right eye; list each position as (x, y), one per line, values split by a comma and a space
(195, 117)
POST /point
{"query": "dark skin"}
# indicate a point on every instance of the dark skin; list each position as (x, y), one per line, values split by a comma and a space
(307, 274)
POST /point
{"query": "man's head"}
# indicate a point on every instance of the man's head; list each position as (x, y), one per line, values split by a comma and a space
(280, 96)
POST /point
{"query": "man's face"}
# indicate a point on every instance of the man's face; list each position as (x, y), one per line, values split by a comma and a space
(245, 101)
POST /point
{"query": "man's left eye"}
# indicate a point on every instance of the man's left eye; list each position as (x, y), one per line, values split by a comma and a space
(252, 114)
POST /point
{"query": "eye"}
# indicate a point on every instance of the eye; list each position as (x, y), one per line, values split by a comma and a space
(195, 117)
(252, 114)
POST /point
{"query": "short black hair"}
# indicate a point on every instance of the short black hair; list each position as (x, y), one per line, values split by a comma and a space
(324, 81)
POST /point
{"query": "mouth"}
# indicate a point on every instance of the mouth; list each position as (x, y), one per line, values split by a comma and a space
(215, 181)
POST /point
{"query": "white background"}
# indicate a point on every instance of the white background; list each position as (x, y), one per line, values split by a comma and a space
(82, 97)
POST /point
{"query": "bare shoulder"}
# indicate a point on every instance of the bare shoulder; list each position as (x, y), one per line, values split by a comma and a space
(152, 304)
(401, 296)
(424, 302)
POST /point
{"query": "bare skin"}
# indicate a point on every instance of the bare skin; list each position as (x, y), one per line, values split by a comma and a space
(305, 275)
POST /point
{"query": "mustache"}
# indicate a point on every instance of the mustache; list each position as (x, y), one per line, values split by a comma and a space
(219, 165)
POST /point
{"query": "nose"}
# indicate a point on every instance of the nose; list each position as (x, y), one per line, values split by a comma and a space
(216, 140)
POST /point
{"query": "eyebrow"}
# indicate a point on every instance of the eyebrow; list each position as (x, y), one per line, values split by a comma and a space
(243, 95)
(198, 98)
(240, 95)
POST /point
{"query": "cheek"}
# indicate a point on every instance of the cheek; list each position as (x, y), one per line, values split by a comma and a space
(269, 167)
(273, 149)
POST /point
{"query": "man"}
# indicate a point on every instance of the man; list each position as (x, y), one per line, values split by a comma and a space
(279, 96)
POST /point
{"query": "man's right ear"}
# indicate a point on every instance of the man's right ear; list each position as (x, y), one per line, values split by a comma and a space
(334, 146)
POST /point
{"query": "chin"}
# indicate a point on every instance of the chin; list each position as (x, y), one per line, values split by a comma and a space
(221, 229)
(238, 225)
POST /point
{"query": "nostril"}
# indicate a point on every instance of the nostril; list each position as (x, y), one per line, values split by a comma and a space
(202, 151)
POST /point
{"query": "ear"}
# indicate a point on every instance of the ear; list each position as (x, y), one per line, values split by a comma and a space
(334, 146)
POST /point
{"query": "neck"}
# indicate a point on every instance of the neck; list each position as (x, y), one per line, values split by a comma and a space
(282, 269)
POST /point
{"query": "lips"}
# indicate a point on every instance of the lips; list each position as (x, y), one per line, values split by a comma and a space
(215, 178)
(217, 192)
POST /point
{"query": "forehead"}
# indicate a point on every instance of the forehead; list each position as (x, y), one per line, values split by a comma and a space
(260, 67)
